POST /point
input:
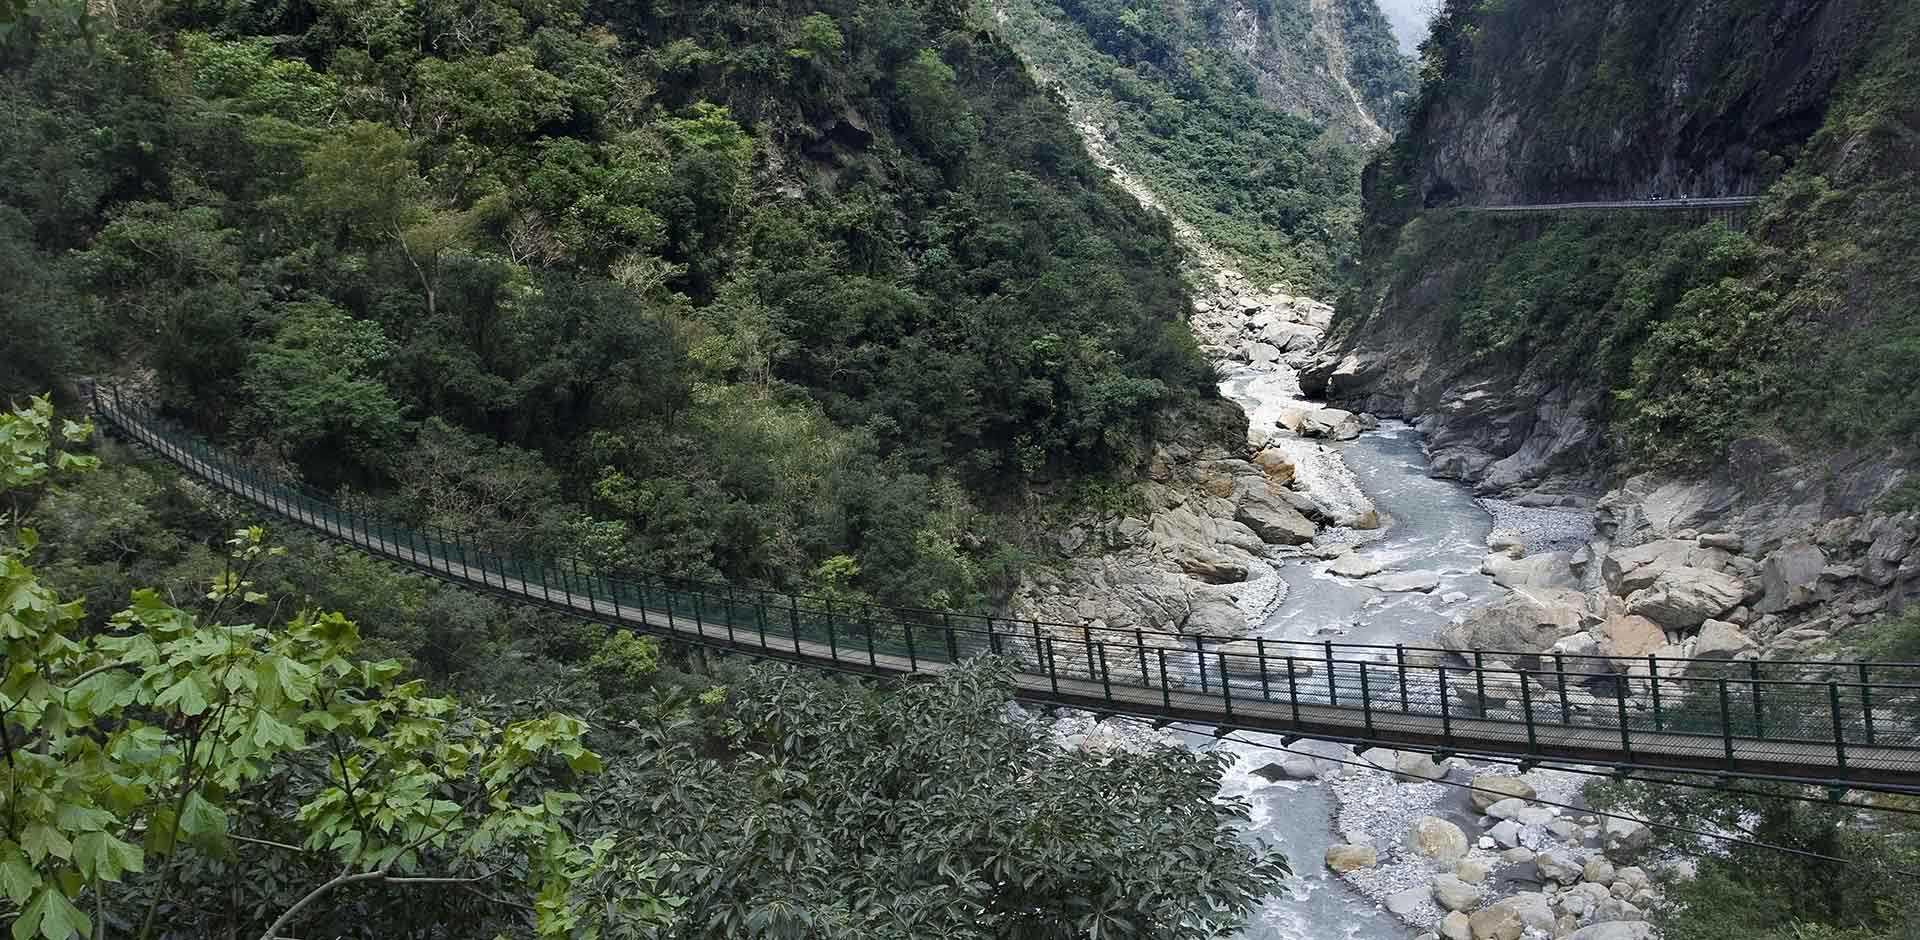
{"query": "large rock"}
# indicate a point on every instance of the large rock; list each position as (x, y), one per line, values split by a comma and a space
(1721, 640)
(1582, 654)
(1456, 926)
(1684, 597)
(1211, 566)
(1633, 637)
(1508, 808)
(1332, 424)
(1526, 621)
(1275, 465)
(1346, 858)
(1498, 922)
(1489, 789)
(1355, 565)
(1262, 354)
(1534, 909)
(1561, 866)
(1437, 839)
(1408, 582)
(1260, 508)
(1633, 569)
(1549, 570)
(1413, 765)
(1893, 540)
(1623, 839)
(1791, 577)
(1452, 894)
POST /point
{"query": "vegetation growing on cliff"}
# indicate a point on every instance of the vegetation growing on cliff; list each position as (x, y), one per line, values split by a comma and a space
(1274, 190)
(1799, 328)
(716, 289)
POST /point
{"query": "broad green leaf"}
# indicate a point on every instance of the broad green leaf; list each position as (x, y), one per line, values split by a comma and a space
(189, 695)
(99, 855)
(41, 840)
(18, 880)
(51, 916)
(202, 823)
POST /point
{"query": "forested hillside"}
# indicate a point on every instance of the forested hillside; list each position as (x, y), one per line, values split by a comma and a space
(774, 292)
(815, 296)
(1248, 120)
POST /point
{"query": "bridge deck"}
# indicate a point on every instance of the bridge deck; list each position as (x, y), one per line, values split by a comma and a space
(1403, 708)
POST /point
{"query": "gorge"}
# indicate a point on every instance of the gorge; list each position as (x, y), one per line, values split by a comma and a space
(1156, 315)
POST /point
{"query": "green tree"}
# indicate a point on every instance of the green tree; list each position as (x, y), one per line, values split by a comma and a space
(131, 751)
(923, 810)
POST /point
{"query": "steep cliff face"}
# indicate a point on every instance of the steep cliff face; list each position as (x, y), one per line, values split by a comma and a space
(1754, 381)
(1334, 62)
(1572, 347)
(1625, 99)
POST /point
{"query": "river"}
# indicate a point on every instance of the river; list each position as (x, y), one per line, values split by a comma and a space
(1428, 525)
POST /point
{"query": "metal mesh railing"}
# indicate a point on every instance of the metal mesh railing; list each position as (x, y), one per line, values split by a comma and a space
(1839, 720)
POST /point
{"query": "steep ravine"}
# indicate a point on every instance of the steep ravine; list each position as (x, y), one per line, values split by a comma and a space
(1373, 500)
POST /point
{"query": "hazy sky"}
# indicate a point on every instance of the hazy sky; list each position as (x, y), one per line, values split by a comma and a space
(1409, 18)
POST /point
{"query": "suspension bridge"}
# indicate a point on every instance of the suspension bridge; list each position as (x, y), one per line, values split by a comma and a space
(1838, 725)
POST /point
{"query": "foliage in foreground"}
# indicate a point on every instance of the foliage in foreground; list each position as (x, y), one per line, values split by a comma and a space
(135, 753)
(1750, 893)
(923, 810)
(172, 775)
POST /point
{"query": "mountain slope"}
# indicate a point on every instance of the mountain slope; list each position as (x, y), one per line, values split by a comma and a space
(790, 293)
(1244, 118)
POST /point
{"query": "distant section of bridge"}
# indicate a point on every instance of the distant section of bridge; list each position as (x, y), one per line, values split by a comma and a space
(1730, 209)
(1847, 725)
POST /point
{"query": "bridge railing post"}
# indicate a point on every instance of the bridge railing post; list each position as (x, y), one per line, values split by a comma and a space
(1726, 721)
(793, 620)
(1333, 693)
(1759, 711)
(1366, 699)
(1480, 680)
(1086, 634)
(1106, 677)
(1839, 727)
(1260, 651)
(1653, 690)
(1293, 691)
(1053, 667)
(953, 640)
(1446, 713)
(1626, 733)
(1200, 659)
(913, 658)
(1400, 658)
(1226, 687)
(1526, 705)
(873, 659)
(1866, 704)
(833, 641)
(1560, 677)
(1140, 645)
(1166, 690)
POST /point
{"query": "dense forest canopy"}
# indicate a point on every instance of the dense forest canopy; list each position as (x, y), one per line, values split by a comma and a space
(710, 288)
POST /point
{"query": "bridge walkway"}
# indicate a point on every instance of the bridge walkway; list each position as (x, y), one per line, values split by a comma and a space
(1736, 720)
